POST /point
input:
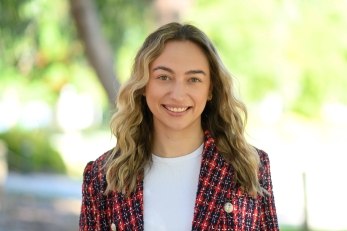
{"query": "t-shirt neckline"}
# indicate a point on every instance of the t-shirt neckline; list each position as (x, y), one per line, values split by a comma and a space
(179, 159)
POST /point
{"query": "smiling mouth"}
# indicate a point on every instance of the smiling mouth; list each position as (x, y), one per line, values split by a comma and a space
(177, 109)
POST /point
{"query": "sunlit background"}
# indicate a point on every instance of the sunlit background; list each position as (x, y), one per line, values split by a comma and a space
(63, 61)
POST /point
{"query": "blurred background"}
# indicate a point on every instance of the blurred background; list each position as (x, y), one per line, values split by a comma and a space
(62, 62)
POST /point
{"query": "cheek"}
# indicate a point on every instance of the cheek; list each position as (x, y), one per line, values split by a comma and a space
(154, 91)
(152, 97)
(202, 95)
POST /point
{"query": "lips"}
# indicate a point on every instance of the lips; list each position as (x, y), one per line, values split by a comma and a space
(176, 109)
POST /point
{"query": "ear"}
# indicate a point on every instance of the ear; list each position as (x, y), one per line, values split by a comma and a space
(210, 95)
(210, 90)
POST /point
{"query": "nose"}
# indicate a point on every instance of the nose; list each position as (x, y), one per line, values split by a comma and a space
(178, 92)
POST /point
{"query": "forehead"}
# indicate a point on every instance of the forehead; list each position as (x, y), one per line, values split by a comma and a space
(182, 55)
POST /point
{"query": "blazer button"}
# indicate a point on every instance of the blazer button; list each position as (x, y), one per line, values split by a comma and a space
(113, 227)
(228, 207)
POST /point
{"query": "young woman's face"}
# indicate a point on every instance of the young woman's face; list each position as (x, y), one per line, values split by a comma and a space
(178, 87)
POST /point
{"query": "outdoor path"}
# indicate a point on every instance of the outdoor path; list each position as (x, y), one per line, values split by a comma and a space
(40, 202)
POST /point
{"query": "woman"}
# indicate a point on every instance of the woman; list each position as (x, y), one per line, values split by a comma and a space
(181, 161)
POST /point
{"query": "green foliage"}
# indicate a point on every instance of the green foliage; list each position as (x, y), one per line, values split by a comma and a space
(125, 23)
(294, 48)
(40, 46)
(297, 49)
(34, 41)
(30, 151)
(41, 52)
(121, 18)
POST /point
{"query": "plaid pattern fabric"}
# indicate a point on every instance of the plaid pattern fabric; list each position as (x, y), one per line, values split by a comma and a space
(215, 189)
(100, 211)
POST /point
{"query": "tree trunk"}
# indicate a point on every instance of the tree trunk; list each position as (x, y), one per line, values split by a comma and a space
(98, 51)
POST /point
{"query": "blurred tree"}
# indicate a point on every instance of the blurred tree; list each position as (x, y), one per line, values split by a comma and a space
(98, 51)
(37, 49)
(40, 53)
(297, 49)
(39, 42)
(118, 17)
(294, 49)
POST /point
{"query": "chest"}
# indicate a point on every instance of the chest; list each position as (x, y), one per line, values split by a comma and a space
(169, 188)
(218, 205)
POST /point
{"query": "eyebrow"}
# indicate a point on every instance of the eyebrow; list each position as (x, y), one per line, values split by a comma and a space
(195, 72)
(190, 72)
(164, 69)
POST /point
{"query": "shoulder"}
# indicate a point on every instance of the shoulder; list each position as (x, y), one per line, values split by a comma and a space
(94, 173)
(97, 165)
(264, 173)
(264, 157)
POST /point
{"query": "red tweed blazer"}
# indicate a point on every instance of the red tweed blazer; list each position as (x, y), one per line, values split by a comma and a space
(215, 189)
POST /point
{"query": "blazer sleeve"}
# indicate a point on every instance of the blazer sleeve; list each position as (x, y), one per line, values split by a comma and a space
(268, 216)
(87, 216)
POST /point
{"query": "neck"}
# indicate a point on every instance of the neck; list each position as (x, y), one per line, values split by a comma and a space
(169, 144)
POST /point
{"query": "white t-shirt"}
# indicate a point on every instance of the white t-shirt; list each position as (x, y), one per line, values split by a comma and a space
(170, 187)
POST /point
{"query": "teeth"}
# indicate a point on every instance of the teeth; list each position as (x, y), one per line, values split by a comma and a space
(177, 109)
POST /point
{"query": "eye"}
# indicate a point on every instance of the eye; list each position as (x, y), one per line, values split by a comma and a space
(163, 77)
(194, 80)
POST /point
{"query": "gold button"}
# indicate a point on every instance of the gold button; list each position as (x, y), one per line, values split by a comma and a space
(113, 227)
(228, 207)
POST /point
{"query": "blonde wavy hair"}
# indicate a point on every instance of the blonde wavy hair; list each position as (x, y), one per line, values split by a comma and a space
(224, 116)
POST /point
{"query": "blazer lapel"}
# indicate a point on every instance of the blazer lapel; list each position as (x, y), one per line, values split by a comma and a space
(128, 212)
(214, 189)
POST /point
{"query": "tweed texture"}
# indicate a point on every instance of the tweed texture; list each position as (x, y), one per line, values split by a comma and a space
(215, 189)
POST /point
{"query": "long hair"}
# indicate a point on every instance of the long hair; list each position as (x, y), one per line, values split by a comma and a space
(224, 116)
